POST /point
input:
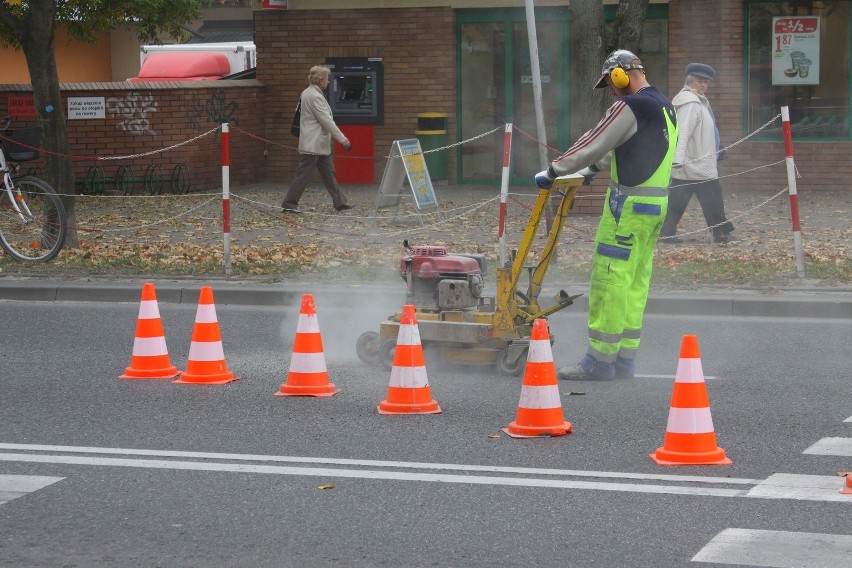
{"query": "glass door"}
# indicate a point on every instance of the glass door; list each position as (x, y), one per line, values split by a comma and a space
(526, 161)
(495, 87)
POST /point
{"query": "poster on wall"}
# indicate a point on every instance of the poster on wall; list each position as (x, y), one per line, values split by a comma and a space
(795, 51)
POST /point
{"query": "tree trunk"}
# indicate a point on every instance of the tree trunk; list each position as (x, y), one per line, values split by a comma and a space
(628, 26)
(39, 49)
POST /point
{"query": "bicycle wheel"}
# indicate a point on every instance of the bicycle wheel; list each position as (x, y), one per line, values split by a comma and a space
(38, 232)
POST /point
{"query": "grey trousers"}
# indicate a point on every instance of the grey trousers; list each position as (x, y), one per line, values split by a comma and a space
(325, 165)
(709, 193)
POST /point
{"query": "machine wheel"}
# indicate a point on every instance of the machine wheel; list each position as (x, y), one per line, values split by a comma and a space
(367, 347)
(514, 368)
(434, 357)
(386, 351)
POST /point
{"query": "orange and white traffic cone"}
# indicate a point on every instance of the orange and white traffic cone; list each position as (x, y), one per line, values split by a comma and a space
(206, 365)
(150, 358)
(540, 407)
(847, 490)
(308, 375)
(408, 392)
(690, 438)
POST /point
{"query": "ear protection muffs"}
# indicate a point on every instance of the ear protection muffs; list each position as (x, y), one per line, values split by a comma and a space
(619, 77)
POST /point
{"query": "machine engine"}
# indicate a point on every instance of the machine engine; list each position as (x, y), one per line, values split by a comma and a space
(438, 280)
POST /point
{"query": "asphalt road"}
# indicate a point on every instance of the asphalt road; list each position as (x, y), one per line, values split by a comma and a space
(329, 482)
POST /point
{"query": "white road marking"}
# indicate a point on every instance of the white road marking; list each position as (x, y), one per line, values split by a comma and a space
(377, 463)
(670, 377)
(777, 549)
(777, 486)
(372, 474)
(14, 486)
(831, 447)
(848, 419)
(801, 487)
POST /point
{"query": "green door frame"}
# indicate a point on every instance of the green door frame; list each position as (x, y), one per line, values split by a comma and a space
(509, 17)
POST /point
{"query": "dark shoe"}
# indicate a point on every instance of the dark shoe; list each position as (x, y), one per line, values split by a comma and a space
(345, 207)
(725, 239)
(290, 209)
(577, 374)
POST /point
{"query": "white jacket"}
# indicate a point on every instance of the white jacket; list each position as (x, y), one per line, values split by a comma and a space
(695, 155)
(317, 123)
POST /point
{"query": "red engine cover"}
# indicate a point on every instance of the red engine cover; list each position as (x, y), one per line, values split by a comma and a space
(431, 262)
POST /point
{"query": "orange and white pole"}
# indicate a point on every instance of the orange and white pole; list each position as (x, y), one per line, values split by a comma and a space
(226, 196)
(504, 192)
(791, 184)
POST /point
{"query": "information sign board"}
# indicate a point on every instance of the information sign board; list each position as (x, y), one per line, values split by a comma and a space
(406, 162)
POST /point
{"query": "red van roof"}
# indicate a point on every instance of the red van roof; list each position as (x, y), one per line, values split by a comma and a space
(186, 66)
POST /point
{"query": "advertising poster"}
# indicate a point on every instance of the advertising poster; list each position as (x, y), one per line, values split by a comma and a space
(795, 51)
(418, 175)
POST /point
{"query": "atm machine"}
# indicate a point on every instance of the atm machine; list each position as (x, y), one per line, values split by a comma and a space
(356, 96)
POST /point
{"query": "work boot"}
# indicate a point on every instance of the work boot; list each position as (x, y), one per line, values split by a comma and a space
(625, 368)
(578, 374)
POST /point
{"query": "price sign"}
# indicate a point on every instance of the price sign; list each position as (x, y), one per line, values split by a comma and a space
(795, 51)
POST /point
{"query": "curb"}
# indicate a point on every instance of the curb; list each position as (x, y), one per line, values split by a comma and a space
(831, 305)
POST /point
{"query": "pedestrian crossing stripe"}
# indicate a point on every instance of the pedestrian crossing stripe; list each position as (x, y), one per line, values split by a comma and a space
(800, 487)
(831, 447)
(777, 549)
(14, 486)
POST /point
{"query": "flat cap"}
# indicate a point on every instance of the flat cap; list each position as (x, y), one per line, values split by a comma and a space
(701, 70)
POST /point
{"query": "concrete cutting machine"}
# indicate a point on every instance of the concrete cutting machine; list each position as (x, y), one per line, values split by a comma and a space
(456, 322)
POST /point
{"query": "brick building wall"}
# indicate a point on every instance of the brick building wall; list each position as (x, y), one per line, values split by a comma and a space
(712, 33)
(142, 117)
(417, 47)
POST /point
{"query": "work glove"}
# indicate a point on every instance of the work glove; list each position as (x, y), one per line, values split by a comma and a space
(543, 179)
(588, 174)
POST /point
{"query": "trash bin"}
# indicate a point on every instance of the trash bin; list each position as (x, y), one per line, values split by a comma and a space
(432, 133)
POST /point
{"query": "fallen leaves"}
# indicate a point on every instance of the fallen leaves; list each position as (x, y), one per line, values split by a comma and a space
(184, 236)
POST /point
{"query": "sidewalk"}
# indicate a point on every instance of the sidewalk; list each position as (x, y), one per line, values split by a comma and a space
(351, 251)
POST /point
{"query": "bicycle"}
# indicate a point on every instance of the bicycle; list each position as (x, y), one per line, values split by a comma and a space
(32, 218)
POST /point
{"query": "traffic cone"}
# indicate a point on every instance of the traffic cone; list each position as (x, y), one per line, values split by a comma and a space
(206, 364)
(540, 407)
(307, 375)
(408, 392)
(848, 489)
(150, 358)
(690, 439)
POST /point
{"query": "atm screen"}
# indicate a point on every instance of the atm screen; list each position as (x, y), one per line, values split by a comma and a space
(352, 93)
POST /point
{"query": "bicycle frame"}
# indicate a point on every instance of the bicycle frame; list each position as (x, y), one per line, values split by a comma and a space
(12, 190)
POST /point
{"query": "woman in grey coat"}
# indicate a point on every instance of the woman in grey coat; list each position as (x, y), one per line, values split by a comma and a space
(317, 128)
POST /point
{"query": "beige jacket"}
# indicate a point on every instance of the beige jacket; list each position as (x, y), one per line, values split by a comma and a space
(317, 123)
(695, 155)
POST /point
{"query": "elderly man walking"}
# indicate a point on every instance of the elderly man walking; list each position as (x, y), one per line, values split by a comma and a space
(695, 168)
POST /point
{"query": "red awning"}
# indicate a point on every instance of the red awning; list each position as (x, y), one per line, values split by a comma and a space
(186, 66)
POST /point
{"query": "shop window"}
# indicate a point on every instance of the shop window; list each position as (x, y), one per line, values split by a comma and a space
(798, 55)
